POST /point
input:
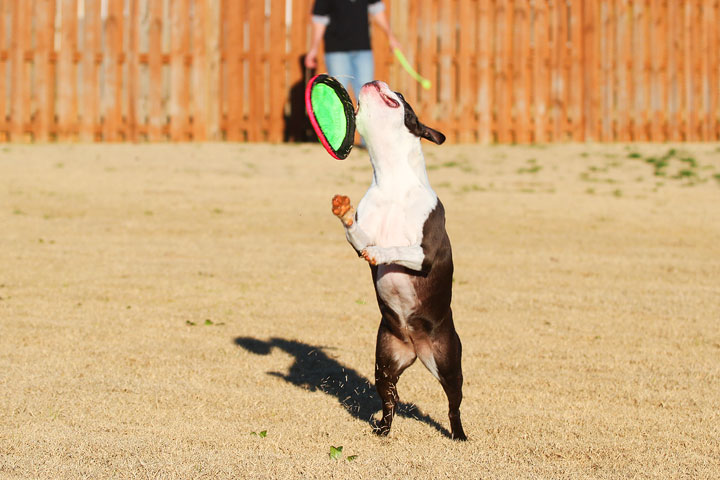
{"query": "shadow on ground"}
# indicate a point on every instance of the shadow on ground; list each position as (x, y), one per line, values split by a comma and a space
(314, 370)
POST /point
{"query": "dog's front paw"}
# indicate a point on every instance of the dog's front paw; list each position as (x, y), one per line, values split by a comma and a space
(342, 209)
(373, 255)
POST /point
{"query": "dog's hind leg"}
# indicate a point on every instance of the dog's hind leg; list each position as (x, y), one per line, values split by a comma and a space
(392, 357)
(447, 353)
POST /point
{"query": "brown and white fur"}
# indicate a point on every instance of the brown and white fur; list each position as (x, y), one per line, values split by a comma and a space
(399, 229)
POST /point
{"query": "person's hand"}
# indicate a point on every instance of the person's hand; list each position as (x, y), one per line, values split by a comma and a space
(393, 42)
(311, 59)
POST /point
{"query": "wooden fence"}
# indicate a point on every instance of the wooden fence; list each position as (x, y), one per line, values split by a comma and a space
(502, 70)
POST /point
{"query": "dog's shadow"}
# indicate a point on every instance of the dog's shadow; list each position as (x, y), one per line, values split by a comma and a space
(314, 370)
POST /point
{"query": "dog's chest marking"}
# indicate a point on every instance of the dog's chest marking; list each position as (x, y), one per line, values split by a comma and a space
(396, 220)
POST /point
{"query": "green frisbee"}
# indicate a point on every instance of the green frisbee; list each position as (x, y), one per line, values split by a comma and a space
(331, 114)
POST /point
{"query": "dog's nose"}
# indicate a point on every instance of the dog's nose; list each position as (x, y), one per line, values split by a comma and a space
(374, 84)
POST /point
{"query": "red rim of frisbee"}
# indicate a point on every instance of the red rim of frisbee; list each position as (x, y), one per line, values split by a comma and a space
(344, 150)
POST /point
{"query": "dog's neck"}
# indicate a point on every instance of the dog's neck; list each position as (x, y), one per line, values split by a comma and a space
(398, 166)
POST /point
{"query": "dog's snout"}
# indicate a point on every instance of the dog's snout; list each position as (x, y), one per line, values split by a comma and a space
(381, 88)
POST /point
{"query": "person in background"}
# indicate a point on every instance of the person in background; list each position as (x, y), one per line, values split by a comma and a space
(344, 27)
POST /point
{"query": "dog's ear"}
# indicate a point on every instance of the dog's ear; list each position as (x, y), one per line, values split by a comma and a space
(416, 127)
(432, 135)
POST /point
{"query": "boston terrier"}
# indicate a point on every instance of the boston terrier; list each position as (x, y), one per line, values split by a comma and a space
(399, 229)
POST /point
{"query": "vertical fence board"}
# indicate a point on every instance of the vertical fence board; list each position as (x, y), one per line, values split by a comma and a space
(446, 108)
(540, 70)
(133, 62)
(714, 67)
(434, 70)
(429, 58)
(277, 65)
(560, 70)
(199, 71)
(595, 67)
(566, 66)
(298, 39)
(505, 13)
(685, 84)
(606, 48)
(256, 73)
(485, 70)
(664, 74)
(179, 83)
(647, 74)
(656, 53)
(410, 43)
(398, 14)
(112, 105)
(67, 77)
(553, 70)
(233, 21)
(381, 48)
(596, 47)
(4, 14)
(44, 71)
(20, 91)
(576, 82)
(695, 78)
(298, 75)
(631, 72)
(522, 66)
(636, 74)
(624, 59)
(91, 88)
(674, 23)
(156, 114)
(706, 17)
(214, 90)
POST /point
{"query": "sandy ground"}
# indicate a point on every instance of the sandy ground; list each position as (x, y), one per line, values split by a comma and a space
(159, 304)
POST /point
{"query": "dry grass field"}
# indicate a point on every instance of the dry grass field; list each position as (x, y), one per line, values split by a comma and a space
(159, 304)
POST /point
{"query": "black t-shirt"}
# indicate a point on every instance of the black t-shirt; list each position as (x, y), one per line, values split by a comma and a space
(347, 23)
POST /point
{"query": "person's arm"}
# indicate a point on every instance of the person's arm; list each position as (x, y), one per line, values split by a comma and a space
(320, 20)
(318, 30)
(377, 12)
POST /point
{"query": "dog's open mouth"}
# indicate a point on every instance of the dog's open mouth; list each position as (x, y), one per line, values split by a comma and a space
(390, 102)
